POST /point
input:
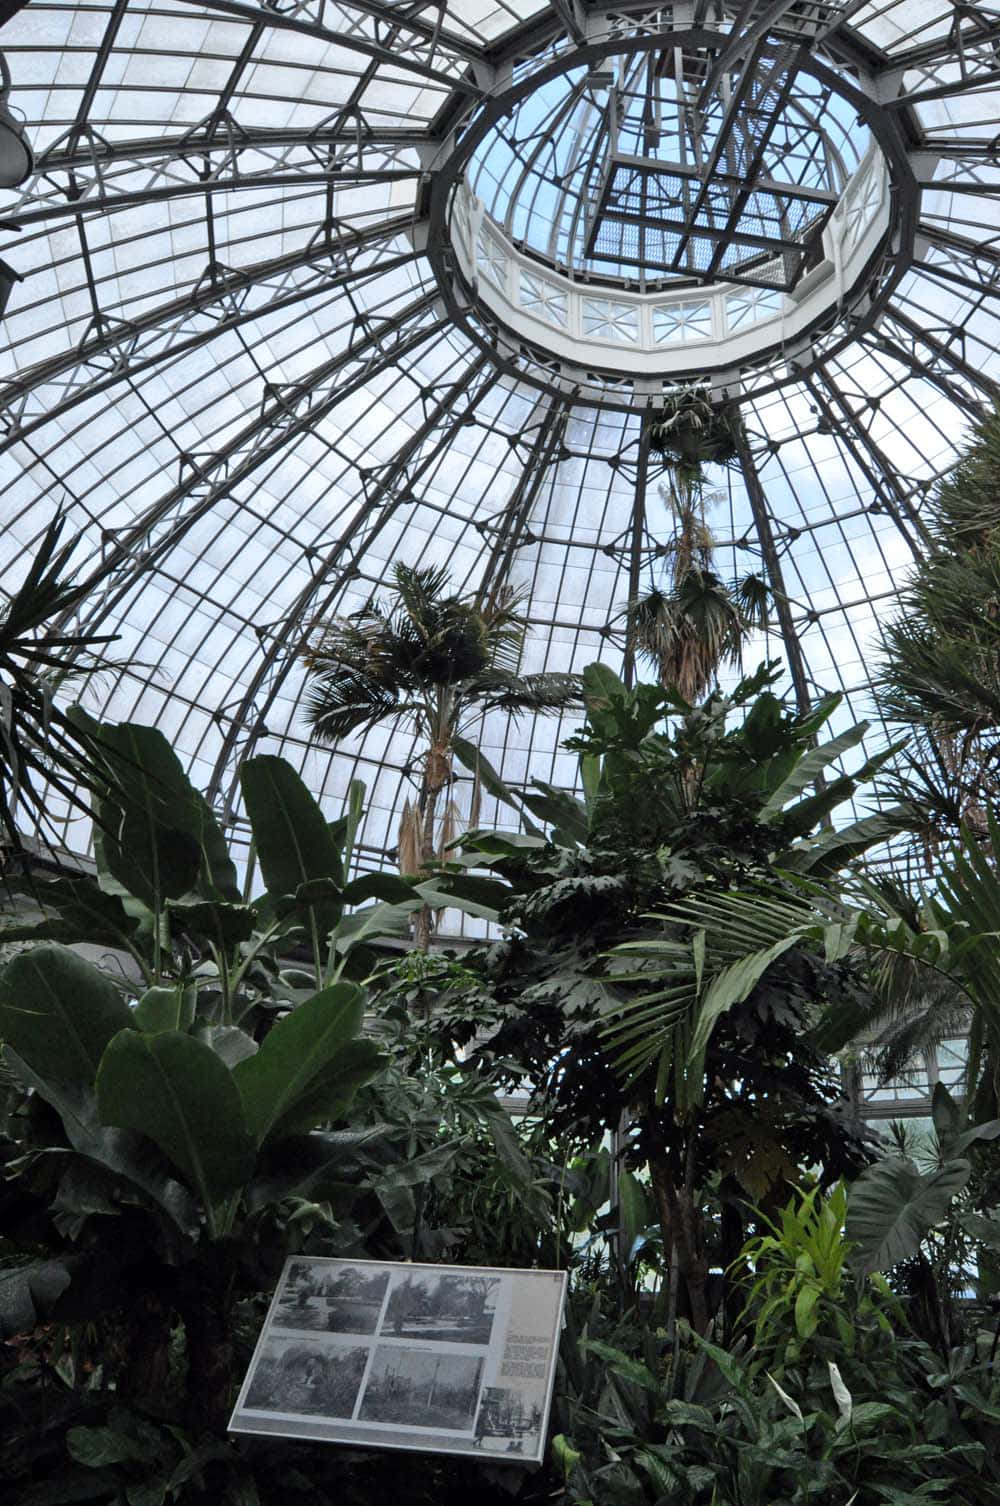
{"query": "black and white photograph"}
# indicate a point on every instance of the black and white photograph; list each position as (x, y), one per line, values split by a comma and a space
(422, 1388)
(387, 1354)
(454, 1308)
(325, 1297)
(307, 1377)
(509, 1421)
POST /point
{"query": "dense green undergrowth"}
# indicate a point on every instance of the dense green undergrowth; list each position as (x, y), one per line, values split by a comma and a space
(766, 1306)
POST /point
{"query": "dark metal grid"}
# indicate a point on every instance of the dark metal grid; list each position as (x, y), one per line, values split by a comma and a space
(225, 363)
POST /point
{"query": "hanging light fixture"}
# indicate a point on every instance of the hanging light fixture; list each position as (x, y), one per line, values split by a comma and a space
(16, 160)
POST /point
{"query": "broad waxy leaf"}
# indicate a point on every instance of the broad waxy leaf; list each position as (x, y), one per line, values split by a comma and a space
(307, 1045)
(294, 842)
(129, 1158)
(892, 1206)
(165, 1009)
(59, 1013)
(68, 909)
(560, 809)
(224, 924)
(159, 838)
(330, 1093)
(177, 1091)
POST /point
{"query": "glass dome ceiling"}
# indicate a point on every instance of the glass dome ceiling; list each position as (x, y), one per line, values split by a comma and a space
(311, 287)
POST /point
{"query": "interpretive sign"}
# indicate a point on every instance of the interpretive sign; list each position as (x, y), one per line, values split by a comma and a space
(445, 1359)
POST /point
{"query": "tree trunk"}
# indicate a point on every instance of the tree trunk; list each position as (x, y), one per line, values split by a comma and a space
(681, 1226)
(437, 771)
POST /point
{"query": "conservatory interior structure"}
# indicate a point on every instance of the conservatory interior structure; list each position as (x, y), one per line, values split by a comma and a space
(500, 561)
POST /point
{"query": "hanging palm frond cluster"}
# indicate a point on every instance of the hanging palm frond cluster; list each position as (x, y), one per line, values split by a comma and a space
(41, 748)
(689, 430)
(693, 623)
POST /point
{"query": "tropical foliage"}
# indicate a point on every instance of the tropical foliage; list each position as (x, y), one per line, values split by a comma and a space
(437, 661)
(727, 1100)
(940, 668)
(691, 623)
(41, 748)
(769, 1304)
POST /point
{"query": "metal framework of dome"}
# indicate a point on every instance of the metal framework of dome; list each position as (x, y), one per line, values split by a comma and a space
(310, 286)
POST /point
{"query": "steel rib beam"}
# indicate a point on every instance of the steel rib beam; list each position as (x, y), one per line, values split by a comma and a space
(274, 428)
(450, 49)
(123, 339)
(271, 673)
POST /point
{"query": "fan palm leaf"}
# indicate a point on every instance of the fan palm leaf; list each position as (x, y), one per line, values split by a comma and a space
(40, 747)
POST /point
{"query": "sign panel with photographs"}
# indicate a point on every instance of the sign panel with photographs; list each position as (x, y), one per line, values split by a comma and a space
(447, 1359)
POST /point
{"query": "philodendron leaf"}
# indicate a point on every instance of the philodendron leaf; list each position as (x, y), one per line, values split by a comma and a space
(309, 1043)
(165, 1009)
(892, 1206)
(27, 1292)
(177, 1091)
(294, 841)
(59, 1013)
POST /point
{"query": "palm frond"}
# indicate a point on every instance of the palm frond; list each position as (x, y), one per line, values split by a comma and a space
(341, 701)
(40, 747)
(542, 694)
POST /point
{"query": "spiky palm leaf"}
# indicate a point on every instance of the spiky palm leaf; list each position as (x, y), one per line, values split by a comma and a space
(40, 747)
(436, 659)
(940, 667)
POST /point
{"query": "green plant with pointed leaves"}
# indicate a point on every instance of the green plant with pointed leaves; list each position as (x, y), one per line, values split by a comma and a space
(940, 667)
(669, 808)
(438, 662)
(41, 748)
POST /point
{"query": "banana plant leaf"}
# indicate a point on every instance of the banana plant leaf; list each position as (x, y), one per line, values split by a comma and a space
(308, 1066)
(178, 1092)
(59, 1013)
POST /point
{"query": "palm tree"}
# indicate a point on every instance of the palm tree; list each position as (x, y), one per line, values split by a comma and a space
(41, 748)
(940, 670)
(437, 662)
(694, 622)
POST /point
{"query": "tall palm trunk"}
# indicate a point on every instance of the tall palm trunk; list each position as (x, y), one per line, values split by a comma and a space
(437, 774)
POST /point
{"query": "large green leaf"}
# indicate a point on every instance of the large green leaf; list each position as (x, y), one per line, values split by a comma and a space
(384, 886)
(176, 1090)
(808, 769)
(307, 1044)
(892, 1206)
(130, 1159)
(601, 684)
(70, 908)
(166, 1008)
(467, 892)
(28, 1292)
(329, 1095)
(561, 810)
(159, 838)
(293, 840)
(59, 1013)
(830, 851)
(477, 763)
